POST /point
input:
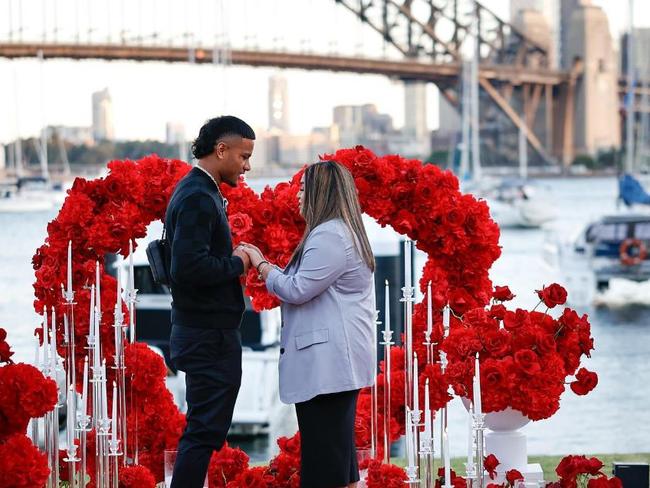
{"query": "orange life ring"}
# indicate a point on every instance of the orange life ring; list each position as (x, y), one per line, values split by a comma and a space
(626, 258)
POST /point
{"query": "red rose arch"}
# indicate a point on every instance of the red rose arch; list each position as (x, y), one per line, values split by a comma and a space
(421, 201)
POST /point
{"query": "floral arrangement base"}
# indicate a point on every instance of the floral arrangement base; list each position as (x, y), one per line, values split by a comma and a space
(510, 449)
(508, 444)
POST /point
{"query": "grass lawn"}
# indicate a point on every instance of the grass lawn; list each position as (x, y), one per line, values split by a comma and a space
(549, 463)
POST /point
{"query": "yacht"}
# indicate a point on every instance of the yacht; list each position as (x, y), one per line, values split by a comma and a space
(519, 203)
(26, 195)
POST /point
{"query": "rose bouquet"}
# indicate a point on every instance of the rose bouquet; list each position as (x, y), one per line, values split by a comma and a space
(525, 356)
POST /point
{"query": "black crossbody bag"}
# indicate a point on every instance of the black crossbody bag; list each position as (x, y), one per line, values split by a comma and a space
(158, 255)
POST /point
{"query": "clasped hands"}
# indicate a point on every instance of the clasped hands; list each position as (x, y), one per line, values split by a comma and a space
(251, 256)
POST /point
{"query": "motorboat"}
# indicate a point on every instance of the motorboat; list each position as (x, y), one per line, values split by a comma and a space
(519, 203)
(611, 247)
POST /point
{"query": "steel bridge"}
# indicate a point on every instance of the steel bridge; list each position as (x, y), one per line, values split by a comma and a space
(427, 38)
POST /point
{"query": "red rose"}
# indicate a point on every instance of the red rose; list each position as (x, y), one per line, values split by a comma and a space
(513, 475)
(552, 295)
(385, 475)
(136, 477)
(502, 293)
(604, 482)
(490, 464)
(497, 342)
(240, 223)
(497, 311)
(516, 320)
(527, 361)
(585, 382)
(569, 467)
(594, 465)
(22, 465)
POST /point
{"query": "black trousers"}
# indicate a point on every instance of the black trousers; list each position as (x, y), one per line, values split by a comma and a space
(328, 456)
(211, 360)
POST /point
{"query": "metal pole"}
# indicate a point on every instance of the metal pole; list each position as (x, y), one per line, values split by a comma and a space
(629, 120)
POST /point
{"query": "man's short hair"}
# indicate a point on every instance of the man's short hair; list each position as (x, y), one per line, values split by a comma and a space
(218, 128)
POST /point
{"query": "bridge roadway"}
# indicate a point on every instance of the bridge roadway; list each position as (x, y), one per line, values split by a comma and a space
(411, 70)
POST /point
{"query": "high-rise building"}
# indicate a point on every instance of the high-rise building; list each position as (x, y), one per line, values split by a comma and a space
(74, 135)
(278, 104)
(566, 11)
(548, 35)
(640, 48)
(362, 124)
(597, 122)
(415, 109)
(174, 133)
(103, 116)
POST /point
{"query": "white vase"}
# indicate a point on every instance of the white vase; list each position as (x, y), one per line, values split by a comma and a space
(505, 441)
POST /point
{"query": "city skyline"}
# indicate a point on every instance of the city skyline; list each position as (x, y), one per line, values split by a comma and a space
(146, 96)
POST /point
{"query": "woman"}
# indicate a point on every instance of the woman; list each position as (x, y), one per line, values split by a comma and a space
(328, 311)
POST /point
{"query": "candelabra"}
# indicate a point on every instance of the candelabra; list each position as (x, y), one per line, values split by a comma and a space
(83, 427)
(373, 396)
(119, 366)
(479, 431)
(388, 335)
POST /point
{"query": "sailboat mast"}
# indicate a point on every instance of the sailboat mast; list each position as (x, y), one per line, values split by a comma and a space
(476, 156)
(629, 121)
(43, 151)
(465, 122)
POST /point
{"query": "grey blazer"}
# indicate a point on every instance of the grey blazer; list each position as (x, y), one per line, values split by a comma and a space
(328, 313)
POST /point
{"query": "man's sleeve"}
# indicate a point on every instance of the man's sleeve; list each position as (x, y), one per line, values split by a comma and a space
(192, 263)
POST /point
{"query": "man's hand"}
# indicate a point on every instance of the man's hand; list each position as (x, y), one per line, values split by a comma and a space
(254, 254)
(240, 253)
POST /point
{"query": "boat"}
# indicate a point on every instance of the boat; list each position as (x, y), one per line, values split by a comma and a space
(26, 195)
(516, 203)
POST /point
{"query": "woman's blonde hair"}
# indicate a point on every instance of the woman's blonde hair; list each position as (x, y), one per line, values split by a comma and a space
(330, 193)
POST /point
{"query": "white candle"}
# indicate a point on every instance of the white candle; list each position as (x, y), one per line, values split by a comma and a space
(477, 387)
(114, 414)
(407, 263)
(409, 440)
(416, 399)
(427, 412)
(104, 395)
(470, 439)
(84, 390)
(91, 319)
(98, 343)
(131, 282)
(69, 268)
(445, 319)
(66, 331)
(429, 311)
(37, 352)
(70, 417)
(118, 303)
(53, 340)
(445, 448)
(387, 308)
(98, 299)
(46, 341)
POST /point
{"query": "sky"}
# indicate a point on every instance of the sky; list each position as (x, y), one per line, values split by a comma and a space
(148, 95)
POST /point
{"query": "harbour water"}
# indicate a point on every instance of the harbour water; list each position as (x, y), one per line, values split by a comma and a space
(614, 418)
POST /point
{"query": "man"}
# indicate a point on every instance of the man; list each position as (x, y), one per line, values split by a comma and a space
(208, 302)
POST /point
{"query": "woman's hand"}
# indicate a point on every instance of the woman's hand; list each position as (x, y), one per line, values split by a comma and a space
(254, 254)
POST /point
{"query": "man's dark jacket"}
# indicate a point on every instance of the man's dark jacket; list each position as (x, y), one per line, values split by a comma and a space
(205, 284)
